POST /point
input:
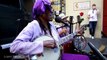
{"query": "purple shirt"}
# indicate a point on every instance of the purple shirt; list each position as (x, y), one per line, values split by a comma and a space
(24, 44)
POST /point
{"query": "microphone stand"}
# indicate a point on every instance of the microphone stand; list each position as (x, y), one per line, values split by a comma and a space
(71, 24)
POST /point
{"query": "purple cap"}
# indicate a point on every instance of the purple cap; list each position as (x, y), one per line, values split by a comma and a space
(40, 6)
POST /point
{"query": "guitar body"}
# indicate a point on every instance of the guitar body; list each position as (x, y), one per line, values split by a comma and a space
(52, 54)
(48, 53)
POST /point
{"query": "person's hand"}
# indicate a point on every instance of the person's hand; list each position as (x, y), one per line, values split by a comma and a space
(49, 43)
(64, 30)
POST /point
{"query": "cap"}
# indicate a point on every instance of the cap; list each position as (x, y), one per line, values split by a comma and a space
(62, 16)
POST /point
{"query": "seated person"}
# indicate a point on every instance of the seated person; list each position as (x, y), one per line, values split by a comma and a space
(67, 48)
(63, 30)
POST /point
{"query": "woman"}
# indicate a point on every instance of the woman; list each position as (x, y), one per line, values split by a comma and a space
(25, 42)
(41, 25)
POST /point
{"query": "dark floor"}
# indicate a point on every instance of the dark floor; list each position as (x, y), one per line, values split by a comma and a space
(97, 42)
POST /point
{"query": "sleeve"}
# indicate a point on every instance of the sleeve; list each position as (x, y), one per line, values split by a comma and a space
(59, 30)
(22, 43)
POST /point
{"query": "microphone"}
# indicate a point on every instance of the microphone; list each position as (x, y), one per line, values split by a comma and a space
(59, 20)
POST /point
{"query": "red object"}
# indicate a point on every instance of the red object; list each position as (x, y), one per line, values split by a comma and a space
(105, 18)
(68, 47)
(81, 13)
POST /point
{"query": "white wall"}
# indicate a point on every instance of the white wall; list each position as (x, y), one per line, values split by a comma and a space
(71, 12)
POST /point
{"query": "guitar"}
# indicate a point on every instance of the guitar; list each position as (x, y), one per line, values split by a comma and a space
(52, 54)
(48, 53)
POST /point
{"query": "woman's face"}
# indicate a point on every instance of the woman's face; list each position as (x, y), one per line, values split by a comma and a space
(47, 16)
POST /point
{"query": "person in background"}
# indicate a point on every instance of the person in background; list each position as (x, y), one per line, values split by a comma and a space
(93, 18)
(63, 31)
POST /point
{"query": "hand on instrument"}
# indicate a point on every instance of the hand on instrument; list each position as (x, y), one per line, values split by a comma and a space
(49, 43)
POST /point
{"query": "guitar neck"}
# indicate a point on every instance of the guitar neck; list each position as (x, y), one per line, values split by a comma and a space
(67, 38)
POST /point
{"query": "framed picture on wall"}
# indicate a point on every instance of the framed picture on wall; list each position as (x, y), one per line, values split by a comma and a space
(56, 5)
(81, 5)
(59, 5)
